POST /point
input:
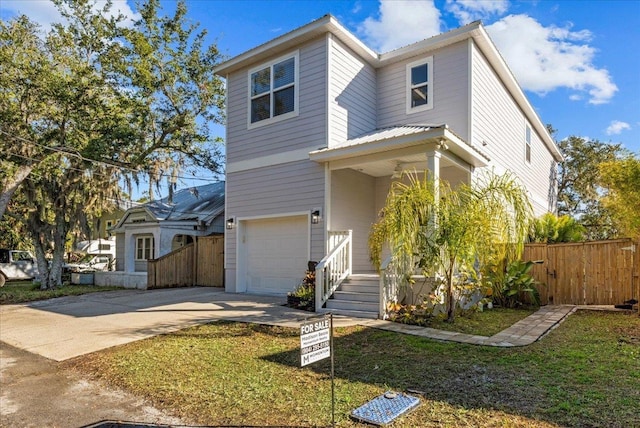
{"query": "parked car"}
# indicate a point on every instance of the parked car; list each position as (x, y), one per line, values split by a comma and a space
(90, 263)
(97, 255)
(16, 265)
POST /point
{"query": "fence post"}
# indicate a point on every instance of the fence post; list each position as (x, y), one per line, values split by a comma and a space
(196, 243)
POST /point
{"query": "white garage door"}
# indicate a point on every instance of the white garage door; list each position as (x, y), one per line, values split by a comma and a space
(277, 252)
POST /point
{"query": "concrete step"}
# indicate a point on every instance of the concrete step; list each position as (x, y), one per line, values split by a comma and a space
(356, 296)
(352, 305)
(353, 314)
(364, 278)
(356, 287)
(361, 283)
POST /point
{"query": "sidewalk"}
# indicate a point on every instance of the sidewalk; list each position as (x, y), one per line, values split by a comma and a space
(522, 333)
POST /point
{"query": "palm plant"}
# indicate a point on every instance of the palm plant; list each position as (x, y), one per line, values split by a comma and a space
(551, 229)
(443, 231)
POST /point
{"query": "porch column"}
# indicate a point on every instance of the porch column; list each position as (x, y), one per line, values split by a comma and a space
(433, 165)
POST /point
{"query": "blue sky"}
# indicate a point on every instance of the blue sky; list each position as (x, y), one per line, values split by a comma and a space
(578, 61)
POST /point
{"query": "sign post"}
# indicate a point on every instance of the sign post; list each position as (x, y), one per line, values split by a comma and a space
(316, 343)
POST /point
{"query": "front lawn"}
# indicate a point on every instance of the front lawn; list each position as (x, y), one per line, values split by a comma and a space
(584, 373)
(27, 291)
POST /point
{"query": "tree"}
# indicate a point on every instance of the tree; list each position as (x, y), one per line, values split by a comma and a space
(469, 227)
(110, 102)
(579, 193)
(621, 180)
(25, 72)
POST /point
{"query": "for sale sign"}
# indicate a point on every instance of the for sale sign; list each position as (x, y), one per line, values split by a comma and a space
(315, 340)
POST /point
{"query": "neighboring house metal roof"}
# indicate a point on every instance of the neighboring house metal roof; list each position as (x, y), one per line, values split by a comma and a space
(193, 204)
(201, 203)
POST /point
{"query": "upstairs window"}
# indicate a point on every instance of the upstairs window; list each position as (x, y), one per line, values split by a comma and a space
(420, 85)
(273, 91)
(527, 145)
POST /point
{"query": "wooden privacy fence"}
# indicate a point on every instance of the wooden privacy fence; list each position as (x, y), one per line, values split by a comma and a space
(198, 263)
(586, 273)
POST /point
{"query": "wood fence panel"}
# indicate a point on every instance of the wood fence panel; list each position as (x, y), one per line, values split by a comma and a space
(198, 263)
(587, 273)
(172, 270)
(566, 274)
(538, 252)
(210, 261)
(608, 272)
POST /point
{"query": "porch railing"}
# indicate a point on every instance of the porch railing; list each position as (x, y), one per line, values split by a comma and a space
(334, 268)
(392, 278)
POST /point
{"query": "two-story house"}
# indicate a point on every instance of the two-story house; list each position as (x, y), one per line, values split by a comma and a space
(318, 126)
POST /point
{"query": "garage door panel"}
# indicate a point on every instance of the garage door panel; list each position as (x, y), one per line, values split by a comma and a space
(277, 251)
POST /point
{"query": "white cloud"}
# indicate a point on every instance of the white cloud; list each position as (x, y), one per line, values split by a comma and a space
(45, 13)
(401, 23)
(467, 11)
(616, 127)
(546, 58)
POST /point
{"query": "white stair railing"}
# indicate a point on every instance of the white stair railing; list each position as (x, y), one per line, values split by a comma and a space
(334, 268)
(392, 278)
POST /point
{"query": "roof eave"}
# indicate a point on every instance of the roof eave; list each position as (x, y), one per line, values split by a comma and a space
(457, 147)
(326, 24)
(432, 43)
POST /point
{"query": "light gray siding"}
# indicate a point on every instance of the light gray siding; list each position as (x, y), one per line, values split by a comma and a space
(499, 127)
(120, 242)
(450, 91)
(293, 187)
(352, 94)
(307, 130)
(353, 207)
(277, 188)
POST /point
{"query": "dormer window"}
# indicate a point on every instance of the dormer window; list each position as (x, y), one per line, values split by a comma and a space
(420, 85)
(273, 91)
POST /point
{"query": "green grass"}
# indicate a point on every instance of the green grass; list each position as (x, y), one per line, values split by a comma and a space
(584, 373)
(27, 291)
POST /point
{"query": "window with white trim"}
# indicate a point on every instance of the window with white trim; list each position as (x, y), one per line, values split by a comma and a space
(419, 85)
(527, 144)
(273, 90)
(144, 248)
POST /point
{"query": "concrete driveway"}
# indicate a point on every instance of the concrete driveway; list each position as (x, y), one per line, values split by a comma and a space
(38, 392)
(68, 327)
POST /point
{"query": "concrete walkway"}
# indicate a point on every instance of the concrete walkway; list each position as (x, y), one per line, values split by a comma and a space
(64, 328)
(522, 333)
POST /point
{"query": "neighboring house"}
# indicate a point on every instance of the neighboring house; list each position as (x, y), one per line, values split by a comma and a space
(101, 227)
(318, 126)
(154, 229)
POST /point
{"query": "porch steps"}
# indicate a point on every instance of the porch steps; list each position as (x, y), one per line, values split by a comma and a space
(357, 296)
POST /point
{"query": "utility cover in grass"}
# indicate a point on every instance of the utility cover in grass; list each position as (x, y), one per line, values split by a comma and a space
(385, 408)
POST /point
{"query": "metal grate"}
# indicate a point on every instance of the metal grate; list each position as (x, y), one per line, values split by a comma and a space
(385, 408)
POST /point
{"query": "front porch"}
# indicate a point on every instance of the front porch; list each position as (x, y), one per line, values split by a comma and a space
(358, 177)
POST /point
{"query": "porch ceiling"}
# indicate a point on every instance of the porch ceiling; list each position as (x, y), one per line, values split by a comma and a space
(381, 152)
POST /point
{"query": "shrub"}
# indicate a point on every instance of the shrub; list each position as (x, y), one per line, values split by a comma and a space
(304, 296)
(513, 286)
